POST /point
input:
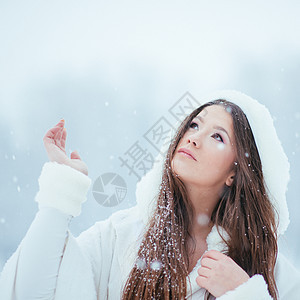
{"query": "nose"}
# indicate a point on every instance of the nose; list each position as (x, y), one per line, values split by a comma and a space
(195, 139)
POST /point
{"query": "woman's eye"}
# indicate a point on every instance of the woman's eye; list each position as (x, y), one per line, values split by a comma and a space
(193, 124)
(217, 137)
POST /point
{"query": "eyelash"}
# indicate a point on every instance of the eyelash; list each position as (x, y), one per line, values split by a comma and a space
(215, 134)
(193, 123)
(218, 136)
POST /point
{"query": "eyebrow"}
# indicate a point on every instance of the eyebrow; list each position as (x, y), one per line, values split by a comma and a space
(215, 127)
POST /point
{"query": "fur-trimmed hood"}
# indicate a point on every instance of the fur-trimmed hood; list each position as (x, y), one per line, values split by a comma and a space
(275, 164)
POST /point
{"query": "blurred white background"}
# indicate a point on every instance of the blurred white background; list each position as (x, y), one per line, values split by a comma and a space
(111, 69)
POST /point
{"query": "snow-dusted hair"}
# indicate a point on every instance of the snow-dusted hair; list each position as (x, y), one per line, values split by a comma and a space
(244, 210)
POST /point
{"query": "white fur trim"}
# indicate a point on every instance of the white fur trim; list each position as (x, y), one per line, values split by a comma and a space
(255, 288)
(62, 187)
(214, 240)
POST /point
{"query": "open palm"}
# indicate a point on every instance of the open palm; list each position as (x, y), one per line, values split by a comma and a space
(55, 143)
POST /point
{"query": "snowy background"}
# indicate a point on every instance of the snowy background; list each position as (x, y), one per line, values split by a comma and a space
(111, 69)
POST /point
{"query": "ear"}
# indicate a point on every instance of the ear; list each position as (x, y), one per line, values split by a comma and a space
(230, 178)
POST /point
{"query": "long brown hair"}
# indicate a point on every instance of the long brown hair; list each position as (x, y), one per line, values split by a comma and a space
(244, 211)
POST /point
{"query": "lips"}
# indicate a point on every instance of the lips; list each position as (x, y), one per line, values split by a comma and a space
(188, 152)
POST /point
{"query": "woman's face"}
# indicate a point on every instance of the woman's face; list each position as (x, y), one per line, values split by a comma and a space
(210, 140)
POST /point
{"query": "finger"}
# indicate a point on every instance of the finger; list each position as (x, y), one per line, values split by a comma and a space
(214, 254)
(204, 272)
(75, 155)
(63, 138)
(61, 123)
(51, 133)
(202, 281)
(208, 262)
(59, 134)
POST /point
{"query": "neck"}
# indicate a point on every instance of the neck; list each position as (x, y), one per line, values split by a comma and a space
(204, 201)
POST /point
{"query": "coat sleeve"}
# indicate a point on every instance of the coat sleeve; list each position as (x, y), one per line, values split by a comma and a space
(287, 280)
(39, 266)
(96, 247)
(254, 288)
(54, 266)
(32, 270)
(94, 262)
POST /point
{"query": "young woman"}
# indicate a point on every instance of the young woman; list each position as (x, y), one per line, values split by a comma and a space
(205, 226)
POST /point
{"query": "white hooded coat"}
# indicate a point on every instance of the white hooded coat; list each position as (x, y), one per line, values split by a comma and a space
(96, 264)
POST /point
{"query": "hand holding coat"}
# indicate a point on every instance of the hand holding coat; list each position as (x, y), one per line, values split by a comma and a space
(219, 273)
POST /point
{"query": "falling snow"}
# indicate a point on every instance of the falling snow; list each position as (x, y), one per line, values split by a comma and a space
(141, 263)
(161, 245)
(156, 265)
(203, 219)
(221, 146)
(229, 109)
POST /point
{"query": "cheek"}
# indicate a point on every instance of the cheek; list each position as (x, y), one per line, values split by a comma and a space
(172, 164)
(220, 157)
(175, 165)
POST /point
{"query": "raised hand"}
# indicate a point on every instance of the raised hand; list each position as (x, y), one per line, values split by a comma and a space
(219, 273)
(55, 142)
